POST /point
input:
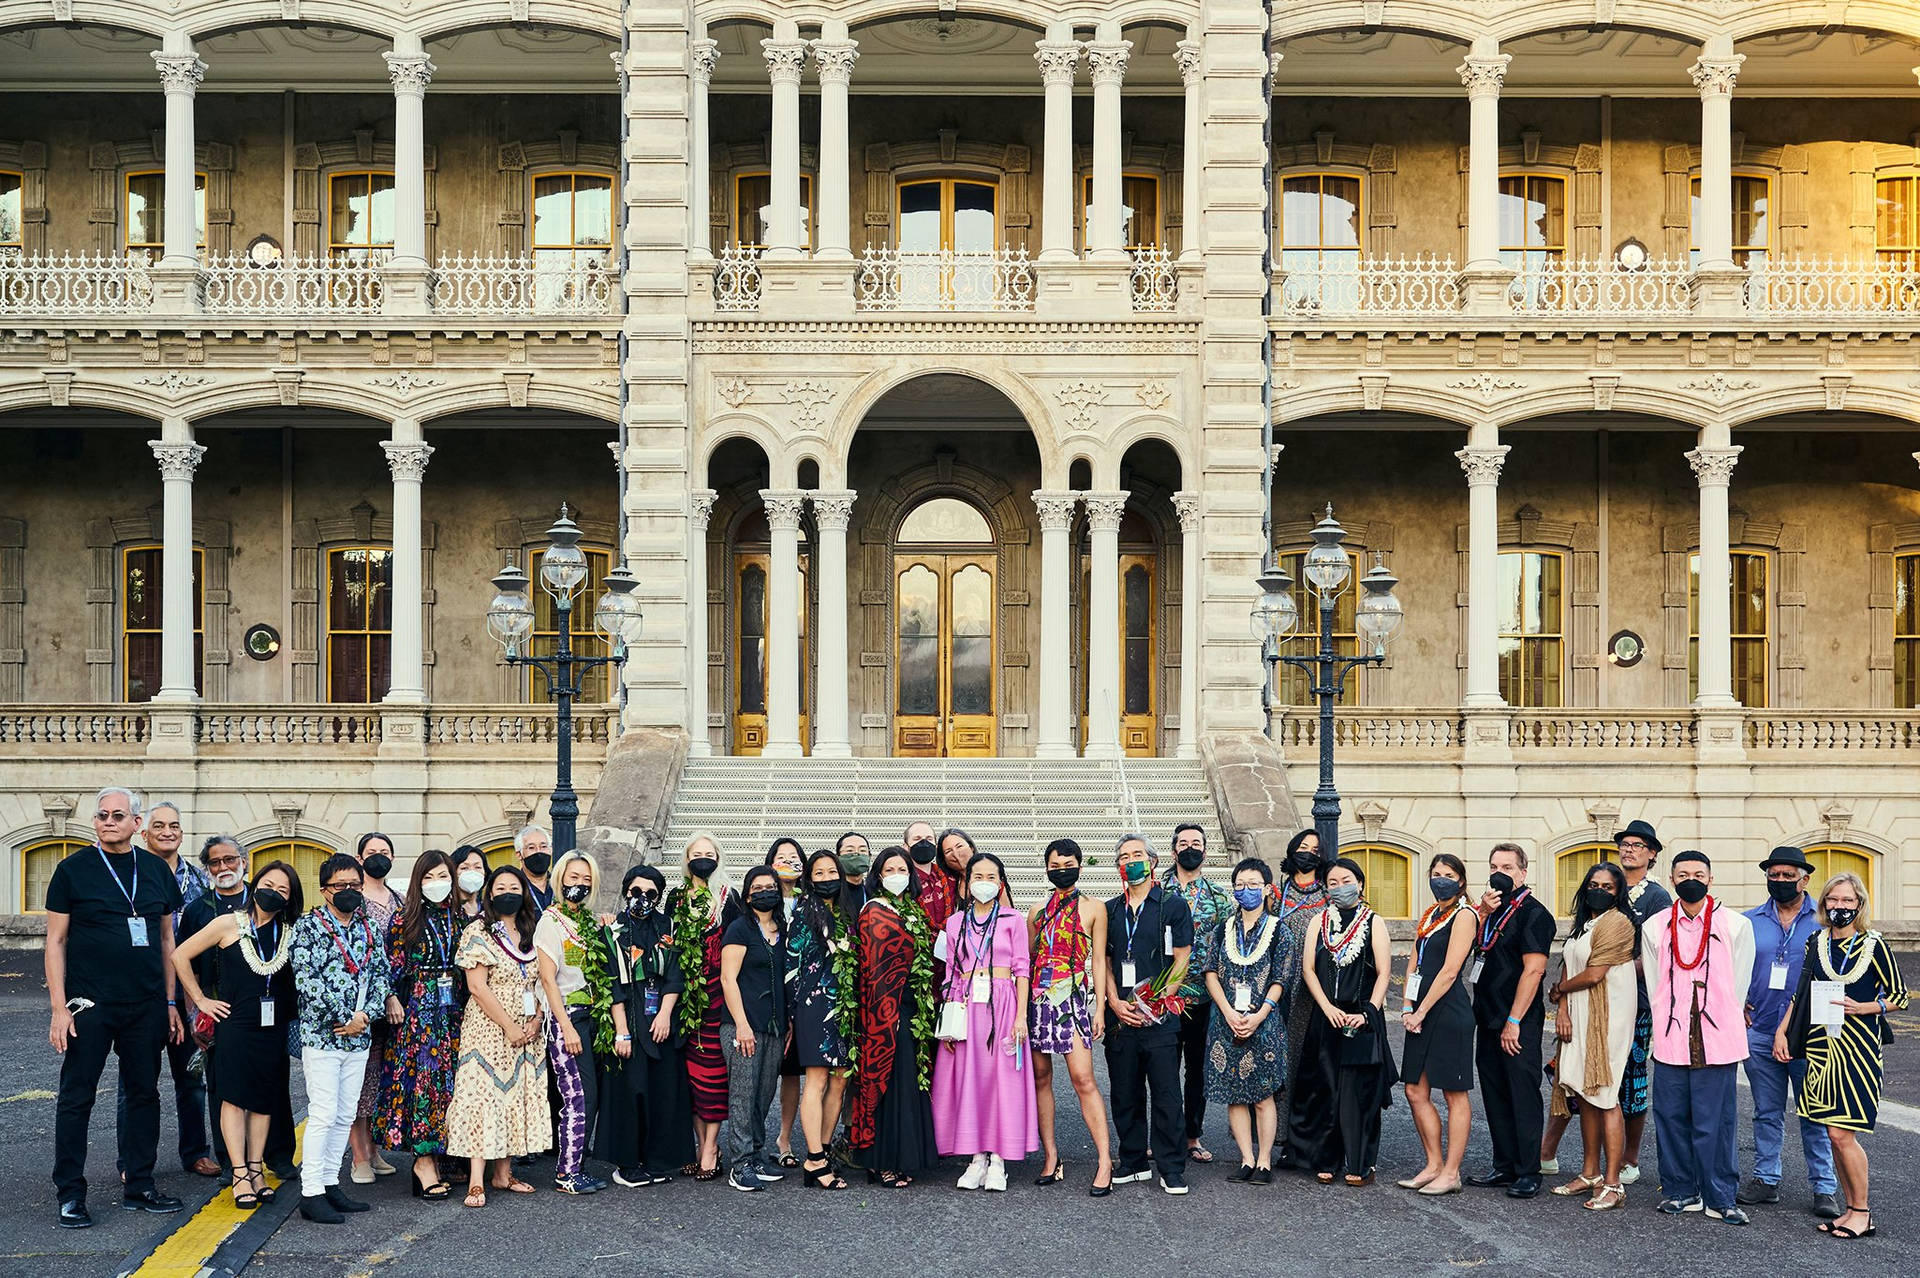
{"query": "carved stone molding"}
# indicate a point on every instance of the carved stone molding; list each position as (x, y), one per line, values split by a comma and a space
(406, 462)
(179, 72)
(786, 59)
(1716, 77)
(700, 507)
(1713, 467)
(1055, 509)
(810, 400)
(1080, 398)
(177, 461)
(410, 73)
(1059, 60)
(784, 508)
(1104, 510)
(1483, 77)
(1107, 60)
(1483, 464)
(832, 510)
(833, 60)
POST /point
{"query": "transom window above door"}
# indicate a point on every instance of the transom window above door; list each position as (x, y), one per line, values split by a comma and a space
(960, 214)
(945, 521)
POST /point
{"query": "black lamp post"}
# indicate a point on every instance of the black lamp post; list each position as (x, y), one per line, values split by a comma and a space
(1328, 568)
(563, 570)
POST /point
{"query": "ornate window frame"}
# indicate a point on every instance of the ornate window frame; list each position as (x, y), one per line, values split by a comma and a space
(727, 162)
(1163, 162)
(1578, 166)
(1376, 166)
(1579, 543)
(518, 540)
(13, 609)
(1787, 546)
(522, 162)
(887, 164)
(1885, 543)
(313, 163)
(312, 538)
(112, 162)
(107, 540)
(1363, 538)
(29, 160)
(1787, 166)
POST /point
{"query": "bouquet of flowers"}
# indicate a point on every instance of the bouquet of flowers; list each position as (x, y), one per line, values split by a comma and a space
(1160, 998)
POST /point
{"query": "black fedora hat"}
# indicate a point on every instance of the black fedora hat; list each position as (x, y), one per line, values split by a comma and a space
(1642, 831)
(1787, 856)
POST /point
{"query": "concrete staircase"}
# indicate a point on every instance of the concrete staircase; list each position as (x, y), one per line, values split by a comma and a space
(1011, 807)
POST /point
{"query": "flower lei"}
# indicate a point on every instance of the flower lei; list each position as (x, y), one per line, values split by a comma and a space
(596, 964)
(920, 980)
(250, 952)
(1346, 946)
(1859, 968)
(844, 961)
(692, 913)
(1437, 916)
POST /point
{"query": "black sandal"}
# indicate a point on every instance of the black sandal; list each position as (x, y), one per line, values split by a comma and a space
(888, 1179)
(247, 1201)
(788, 1160)
(823, 1177)
(257, 1172)
(1847, 1232)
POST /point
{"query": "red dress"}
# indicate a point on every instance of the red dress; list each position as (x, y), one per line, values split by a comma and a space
(706, 1066)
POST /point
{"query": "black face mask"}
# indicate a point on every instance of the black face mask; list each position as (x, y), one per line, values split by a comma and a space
(575, 894)
(506, 904)
(1501, 883)
(702, 867)
(538, 862)
(1598, 900)
(765, 900)
(1692, 891)
(923, 852)
(347, 900)
(272, 900)
(1190, 858)
(1783, 892)
(827, 888)
(377, 865)
(1304, 862)
(1842, 916)
(1443, 888)
(1064, 878)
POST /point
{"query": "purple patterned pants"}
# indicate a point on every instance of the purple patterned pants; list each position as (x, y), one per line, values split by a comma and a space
(573, 1101)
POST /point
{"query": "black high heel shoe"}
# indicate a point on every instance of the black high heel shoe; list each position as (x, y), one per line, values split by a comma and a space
(1097, 1190)
(824, 1177)
(257, 1172)
(1058, 1175)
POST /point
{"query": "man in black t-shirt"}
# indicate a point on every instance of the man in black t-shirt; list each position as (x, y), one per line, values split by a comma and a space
(1149, 931)
(1505, 969)
(109, 965)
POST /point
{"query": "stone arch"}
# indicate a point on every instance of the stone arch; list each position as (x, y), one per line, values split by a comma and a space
(1017, 390)
(751, 427)
(1152, 502)
(452, 17)
(314, 161)
(1788, 166)
(1157, 427)
(110, 163)
(106, 538)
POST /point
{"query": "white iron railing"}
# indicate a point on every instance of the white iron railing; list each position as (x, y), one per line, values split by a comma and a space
(523, 286)
(892, 279)
(736, 278)
(302, 286)
(1825, 288)
(1377, 286)
(1601, 290)
(70, 285)
(1155, 286)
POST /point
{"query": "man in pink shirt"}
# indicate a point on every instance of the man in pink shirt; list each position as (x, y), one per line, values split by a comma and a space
(1698, 956)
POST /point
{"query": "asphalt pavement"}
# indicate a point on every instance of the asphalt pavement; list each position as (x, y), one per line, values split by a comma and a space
(693, 1230)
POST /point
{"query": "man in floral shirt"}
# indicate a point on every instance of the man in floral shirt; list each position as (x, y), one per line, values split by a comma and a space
(1209, 903)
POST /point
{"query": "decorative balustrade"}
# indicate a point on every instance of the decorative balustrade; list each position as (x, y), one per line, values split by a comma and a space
(1601, 730)
(278, 725)
(73, 726)
(1824, 288)
(1377, 286)
(736, 278)
(1601, 290)
(70, 285)
(1802, 730)
(236, 285)
(1155, 286)
(891, 279)
(519, 725)
(525, 286)
(1359, 729)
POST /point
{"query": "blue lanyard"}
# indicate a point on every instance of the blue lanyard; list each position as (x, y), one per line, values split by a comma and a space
(1420, 945)
(1133, 923)
(132, 909)
(989, 932)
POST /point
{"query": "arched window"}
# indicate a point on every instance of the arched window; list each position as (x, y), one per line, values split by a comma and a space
(1751, 616)
(303, 855)
(1829, 859)
(1570, 867)
(945, 520)
(1389, 872)
(36, 870)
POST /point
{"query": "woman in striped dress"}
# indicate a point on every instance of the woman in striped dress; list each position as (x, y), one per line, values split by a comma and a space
(700, 908)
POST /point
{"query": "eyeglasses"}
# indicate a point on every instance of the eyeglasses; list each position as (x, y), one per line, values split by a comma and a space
(1633, 845)
(113, 817)
(341, 885)
(223, 862)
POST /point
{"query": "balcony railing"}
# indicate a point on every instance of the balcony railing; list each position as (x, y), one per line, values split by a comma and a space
(891, 279)
(1601, 289)
(69, 285)
(1155, 285)
(1833, 288)
(1601, 730)
(236, 285)
(736, 278)
(1531, 732)
(517, 286)
(43, 726)
(1379, 286)
(50, 729)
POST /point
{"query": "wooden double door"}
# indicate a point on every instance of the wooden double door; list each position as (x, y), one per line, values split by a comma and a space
(944, 654)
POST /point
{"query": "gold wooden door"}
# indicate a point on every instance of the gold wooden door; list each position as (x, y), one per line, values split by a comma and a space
(750, 570)
(943, 655)
(1139, 638)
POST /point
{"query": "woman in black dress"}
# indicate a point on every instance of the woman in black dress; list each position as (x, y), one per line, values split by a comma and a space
(1439, 1024)
(250, 1031)
(643, 1115)
(820, 979)
(1346, 1066)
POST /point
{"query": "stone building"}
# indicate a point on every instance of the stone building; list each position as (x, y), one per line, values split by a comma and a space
(959, 365)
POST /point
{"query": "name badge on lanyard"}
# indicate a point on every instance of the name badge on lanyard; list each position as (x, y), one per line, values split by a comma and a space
(1413, 989)
(526, 1002)
(1473, 973)
(137, 932)
(1777, 975)
(1127, 977)
(443, 990)
(983, 987)
(266, 1011)
(1242, 997)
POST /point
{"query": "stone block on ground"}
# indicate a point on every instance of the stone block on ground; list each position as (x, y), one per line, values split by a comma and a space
(1248, 778)
(628, 819)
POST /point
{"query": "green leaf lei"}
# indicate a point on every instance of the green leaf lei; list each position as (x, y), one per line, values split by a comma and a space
(691, 910)
(920, 980)
(845, 960)
(596, 965)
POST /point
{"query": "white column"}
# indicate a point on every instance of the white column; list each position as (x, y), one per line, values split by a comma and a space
(180, 74)
(1103, 624)
(1714, 75)
(1059, 59)
(831, 512)
(1188, 506)
(1053, 738)
(1482, 464)
(706, 53)
(410, 71)
(783, 622)
(834, 56)
(786, 55)
(1187, 54)
(1107, 62)
(178, 455)
(699, 510)
(407, 457)
(1483, 74)
(1713, 467)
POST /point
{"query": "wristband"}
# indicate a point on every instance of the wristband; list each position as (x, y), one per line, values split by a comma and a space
(1513, 1020)
(623, 1038)
(171, 1003)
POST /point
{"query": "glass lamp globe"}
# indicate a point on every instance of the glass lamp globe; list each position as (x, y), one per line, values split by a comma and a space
(510, 614)
(564, 565)
(1274, 613)
(1328, 566)
(1379, 614)
(618, 615)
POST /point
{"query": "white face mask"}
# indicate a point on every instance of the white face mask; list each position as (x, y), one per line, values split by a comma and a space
(895, 883)
(985, 890)
(438, 890)
(470, 880)
(227, 880)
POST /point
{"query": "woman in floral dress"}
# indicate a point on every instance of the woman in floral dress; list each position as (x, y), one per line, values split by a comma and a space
(1247, 970)
(416, 1080)
(820, 974)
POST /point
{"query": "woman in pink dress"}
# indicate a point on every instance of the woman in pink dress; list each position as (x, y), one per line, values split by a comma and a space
(983, 1100)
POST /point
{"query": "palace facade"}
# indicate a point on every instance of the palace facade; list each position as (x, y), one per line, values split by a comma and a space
(943, 373)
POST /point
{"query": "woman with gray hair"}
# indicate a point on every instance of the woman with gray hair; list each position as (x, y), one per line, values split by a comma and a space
(1843, 1038)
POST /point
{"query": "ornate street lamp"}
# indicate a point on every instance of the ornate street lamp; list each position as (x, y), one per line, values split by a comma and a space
(563, 570)
(1378, 615)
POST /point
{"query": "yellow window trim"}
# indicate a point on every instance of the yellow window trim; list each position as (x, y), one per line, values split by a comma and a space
(126, 210)
(1570, 866)
(1558, 633)
(1126, 176)
(127, 631)
(741, 178)
(1910, 218)
(573, 212)
(369, 244)
(1560, 183)
(1829, 859)
(364, 634)
(1370, 857)
(1321, 175)
(41, 845)
(19, 189)
(947, 185)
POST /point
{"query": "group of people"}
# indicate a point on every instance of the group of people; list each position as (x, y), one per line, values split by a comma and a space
(901, 1007)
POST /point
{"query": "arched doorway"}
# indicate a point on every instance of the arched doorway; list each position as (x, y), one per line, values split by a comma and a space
(944, 566)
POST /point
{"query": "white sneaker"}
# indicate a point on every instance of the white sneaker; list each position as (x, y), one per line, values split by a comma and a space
(996, 1181)
(1629, 1173)
(1550, 1167)
(975, 1174)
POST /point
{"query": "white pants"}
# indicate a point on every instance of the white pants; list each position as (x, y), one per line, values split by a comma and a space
(334, 1080)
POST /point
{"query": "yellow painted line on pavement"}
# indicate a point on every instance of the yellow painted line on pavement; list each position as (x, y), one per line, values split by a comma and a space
(189, 1248)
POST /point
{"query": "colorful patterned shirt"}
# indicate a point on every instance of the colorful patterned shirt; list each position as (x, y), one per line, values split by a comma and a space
(1209, 903)
(338, 971)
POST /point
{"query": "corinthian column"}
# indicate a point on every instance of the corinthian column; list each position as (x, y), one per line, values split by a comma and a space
(705, 54)
(1713, 467)
(783, 622)
(1107, 58)
(831, 513)
(1714, 75)
(1482, 465)
(1059, 59)
(407, 456)
(410, 72)
(786, 55)
(181, 71)
(1187, 54)
(834, 55)
(1103, 624)
(1053, 738)
(1483, 73)
(178, 456)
